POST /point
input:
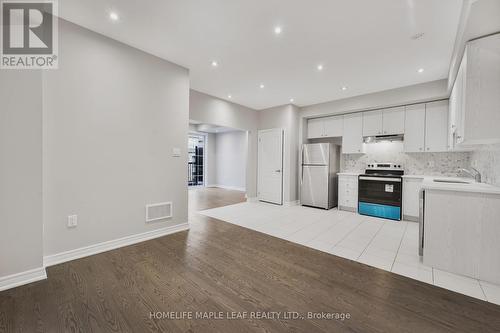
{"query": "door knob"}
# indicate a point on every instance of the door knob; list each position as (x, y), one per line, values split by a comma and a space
(277, 170)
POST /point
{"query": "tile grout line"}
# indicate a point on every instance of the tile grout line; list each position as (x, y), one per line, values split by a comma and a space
(371, 240)
(345, 236)
(399, 247)
(481, 286)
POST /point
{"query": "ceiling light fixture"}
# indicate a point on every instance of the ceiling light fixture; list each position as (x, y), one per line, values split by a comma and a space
(277, 30)
(420, 70)
(229, 96)
(320, 67)
(262, 86)
(344, 88)
(215, 63)
(113, 16)
(292, 100)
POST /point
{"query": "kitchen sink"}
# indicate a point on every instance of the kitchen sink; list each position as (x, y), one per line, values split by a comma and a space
(452, 181)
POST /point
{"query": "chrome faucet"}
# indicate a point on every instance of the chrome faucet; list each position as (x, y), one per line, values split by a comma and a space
(476, 174)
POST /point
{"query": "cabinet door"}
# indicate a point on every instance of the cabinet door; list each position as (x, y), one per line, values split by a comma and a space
(394, 121)
(315, 128)
(333, 126)
(436, 126)
(414, 128)
(411, 191)
(372, 123)
(459, 103)
(452, 110)
(352, 140)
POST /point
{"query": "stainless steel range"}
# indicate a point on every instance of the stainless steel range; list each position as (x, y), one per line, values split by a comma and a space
(380, 191)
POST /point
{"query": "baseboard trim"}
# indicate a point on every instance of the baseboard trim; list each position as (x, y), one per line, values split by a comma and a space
(291, 203)
(410, 218)
(348, 209)
(19, 279)
(232, 188)
(59, 258)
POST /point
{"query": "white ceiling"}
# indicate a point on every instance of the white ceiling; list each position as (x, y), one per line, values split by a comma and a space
(365, 45)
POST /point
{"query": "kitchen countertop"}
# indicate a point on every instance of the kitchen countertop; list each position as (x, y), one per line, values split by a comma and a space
(349, 173)
(429, 184)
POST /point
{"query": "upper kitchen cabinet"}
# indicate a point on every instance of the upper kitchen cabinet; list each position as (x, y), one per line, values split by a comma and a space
(352, 140)
(315, 128)
(373, 123)
(436, 126)
(333, 126)
(426, 127)
(414, 141)
(325, 127)
(394, 121)
(384, 122)
(475, 99)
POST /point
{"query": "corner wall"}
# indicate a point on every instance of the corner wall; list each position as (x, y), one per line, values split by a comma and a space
(112, 115)
(21, 244)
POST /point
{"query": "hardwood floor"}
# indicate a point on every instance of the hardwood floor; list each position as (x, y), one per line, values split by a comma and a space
(216, 266)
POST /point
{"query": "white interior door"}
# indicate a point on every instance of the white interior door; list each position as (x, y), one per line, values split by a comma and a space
(270, 166)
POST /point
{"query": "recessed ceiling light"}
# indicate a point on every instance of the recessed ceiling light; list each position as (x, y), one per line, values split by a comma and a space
(420, 70)
(229, 96)
(277, 30)
(113, 16)
(344, 88)
(262, 86)
(320, 67)
(292, 100)
(215, 63)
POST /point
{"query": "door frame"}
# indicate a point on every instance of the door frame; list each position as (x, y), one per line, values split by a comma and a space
(282, 130)
(205, 163)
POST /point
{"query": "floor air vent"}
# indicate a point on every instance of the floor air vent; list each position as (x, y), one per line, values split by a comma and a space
(158, 211)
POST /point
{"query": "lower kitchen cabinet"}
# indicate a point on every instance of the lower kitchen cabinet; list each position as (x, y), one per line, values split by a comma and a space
(348, 192)
(411, 191)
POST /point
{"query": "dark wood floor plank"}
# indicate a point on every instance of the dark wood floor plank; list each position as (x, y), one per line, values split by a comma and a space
(217, 266)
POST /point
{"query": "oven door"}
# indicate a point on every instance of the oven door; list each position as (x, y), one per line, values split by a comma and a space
(380, 196)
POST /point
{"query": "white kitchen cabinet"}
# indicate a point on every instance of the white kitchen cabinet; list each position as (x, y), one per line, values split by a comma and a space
(333, 126)
(393, 121)
(352, 140)
(414, 141)
(436, 126)
(373, 123)
(477, 115)
(411, 191)
(315, 128)
(461, 233)
(325, 127)
(348, 192)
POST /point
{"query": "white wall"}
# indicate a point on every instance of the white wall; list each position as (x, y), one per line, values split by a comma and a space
(20, 171)
(112, 115)
(418, 93)
(207, 109)
(231, 159)
(211, 170)
(287, 118)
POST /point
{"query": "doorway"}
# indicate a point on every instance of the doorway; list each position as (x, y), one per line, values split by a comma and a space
(270, 166)
(196, 159)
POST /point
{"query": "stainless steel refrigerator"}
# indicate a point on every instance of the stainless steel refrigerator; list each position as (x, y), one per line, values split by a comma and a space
(319, 180)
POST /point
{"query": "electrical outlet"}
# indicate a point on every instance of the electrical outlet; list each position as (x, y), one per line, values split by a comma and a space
(430, 164)
(72, 221)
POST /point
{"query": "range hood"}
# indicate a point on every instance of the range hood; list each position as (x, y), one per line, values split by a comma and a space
(383, 138)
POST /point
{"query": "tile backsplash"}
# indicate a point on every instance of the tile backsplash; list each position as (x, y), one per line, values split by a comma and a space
(431, 164)
(487, 161)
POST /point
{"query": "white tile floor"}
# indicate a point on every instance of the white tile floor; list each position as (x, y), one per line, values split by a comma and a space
(385, 244)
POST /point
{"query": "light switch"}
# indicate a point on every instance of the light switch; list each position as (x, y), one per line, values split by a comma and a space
(176, 152)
